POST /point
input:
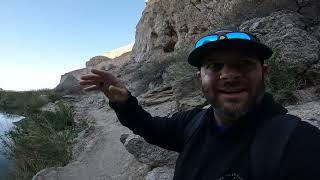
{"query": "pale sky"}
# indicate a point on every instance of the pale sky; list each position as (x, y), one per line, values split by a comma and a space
(42, 39)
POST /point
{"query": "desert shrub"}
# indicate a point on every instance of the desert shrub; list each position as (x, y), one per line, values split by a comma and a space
(26, 102)
(281, 81)
(41, 140)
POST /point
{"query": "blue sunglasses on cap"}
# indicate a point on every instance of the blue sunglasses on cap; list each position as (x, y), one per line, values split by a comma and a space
(228, 35)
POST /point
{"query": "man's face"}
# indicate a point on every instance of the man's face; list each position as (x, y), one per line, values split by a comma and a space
(232, 82)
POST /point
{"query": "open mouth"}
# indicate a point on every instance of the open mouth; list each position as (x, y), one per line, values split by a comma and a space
(233, 93)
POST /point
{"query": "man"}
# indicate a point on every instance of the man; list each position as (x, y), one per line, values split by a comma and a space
(218, 145)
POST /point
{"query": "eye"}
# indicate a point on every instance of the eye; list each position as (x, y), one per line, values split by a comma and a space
(215, 66)
(248, 62)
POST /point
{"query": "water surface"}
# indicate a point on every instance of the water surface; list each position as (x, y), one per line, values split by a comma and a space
(6, 122)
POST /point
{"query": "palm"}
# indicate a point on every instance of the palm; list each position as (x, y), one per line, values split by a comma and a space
(111, 86)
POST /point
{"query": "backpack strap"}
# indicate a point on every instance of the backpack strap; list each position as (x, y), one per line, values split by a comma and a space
(269, 144)
(193, 126)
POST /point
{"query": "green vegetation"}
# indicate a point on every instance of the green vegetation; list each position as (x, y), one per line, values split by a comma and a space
(26, 102)
(175, 67)
(281, 81)
(181, 68)
(43, 139)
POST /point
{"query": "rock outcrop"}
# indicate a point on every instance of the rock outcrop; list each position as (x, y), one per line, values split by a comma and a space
(69, 82)
(93, 62)
(107, 150)
(119, 51)
(69, 85)
(295, 47)
(76, 74)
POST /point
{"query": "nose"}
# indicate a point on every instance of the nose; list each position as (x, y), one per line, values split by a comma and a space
(230, 72)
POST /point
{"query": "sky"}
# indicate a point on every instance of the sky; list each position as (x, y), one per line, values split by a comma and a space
(40, 40)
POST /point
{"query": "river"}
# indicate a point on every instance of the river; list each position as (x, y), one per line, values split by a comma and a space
(6, 122)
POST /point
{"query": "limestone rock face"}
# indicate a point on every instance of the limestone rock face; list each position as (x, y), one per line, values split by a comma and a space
(168, 26)
(292, 44)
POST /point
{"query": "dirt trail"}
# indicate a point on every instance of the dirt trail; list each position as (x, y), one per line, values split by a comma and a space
(99, 154)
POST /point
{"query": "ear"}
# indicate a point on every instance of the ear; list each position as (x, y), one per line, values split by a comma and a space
(199, 75)
(264, 68)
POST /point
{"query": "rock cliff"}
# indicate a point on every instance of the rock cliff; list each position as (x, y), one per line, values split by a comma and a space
(156, 72)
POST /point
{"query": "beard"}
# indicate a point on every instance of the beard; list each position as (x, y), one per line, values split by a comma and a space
(230, 109)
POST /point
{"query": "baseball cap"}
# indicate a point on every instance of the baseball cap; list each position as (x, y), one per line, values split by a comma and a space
(228, 40)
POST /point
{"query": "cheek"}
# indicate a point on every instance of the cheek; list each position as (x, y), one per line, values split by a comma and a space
(208, 83)
(255, 79)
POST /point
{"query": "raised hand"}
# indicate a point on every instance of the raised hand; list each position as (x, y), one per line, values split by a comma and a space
(104, 81)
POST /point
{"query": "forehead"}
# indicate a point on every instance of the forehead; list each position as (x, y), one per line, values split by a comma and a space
(229, 56)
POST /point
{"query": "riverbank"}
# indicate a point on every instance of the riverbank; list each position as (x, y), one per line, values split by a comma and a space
(44, 138)
(6, 165)
(24, 102)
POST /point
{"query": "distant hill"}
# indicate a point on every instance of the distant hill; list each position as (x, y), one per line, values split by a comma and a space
(119, 51)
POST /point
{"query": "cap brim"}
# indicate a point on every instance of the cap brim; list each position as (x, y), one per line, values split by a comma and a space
(257, 49)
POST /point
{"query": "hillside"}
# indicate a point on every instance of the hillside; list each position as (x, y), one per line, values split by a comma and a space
(157, 73)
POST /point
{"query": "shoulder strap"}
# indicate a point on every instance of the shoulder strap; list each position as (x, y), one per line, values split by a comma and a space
(268, 146)
(193, 126)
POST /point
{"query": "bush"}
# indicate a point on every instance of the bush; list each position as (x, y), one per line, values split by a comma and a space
(176, 66)
(180, 68)
(150, 72)
(26, 102)
(42, 140)
(281, 81)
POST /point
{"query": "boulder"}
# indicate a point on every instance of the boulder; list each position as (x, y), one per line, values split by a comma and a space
(309, 112)
(147, 153)
(160, 173)
(69, 85)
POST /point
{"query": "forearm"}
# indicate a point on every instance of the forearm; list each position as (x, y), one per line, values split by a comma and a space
(161, 131)
(131, 115)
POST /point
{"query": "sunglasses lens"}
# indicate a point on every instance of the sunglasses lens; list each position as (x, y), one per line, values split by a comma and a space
(238, 35)
(206, 40)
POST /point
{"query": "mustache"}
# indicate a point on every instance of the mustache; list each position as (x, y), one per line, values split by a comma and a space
(231, 85)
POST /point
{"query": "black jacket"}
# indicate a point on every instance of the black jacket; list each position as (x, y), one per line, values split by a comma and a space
(216, 154)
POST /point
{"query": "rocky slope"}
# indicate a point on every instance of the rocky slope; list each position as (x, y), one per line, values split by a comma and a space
(156, 72)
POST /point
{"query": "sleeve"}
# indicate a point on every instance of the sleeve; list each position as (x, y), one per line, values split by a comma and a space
(166, 132)
(302, 156)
